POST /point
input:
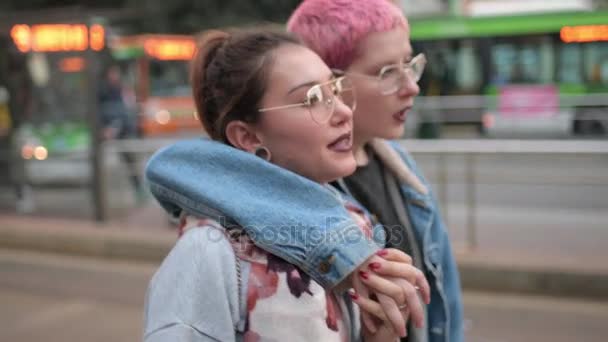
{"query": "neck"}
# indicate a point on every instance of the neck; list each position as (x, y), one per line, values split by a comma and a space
(359, 151)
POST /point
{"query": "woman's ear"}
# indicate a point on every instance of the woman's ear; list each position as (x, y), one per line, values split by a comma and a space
(242, 135)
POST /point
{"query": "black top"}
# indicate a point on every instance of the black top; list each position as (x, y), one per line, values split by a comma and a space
(368, 186)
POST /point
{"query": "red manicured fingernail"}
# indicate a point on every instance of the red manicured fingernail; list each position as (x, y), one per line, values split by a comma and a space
(382, 253)
(353, 295)
(375, 266)
(364, 275)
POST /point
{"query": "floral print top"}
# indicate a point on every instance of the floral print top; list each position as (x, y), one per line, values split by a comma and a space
(283, 302)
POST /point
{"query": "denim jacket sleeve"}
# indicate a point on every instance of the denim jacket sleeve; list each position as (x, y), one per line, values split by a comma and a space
(284, 213)
(450, 278)
(194, 295)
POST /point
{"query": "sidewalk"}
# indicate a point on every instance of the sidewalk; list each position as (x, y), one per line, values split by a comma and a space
(147, 238)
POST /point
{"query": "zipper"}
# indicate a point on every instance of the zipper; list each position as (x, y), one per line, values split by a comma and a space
(237, 261)
(238, 277)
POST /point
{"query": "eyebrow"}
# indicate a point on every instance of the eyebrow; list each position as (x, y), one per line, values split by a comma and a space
(308, 84)
(408, 57)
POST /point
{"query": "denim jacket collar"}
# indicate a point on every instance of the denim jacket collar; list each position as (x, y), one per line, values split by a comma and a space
(413, 187)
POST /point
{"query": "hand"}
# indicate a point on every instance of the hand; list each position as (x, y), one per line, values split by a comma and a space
(384, 331)
(381, 328)
(395, 282)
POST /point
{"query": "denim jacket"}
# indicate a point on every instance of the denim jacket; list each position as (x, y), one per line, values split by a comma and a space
(445, 316)
(294, 218)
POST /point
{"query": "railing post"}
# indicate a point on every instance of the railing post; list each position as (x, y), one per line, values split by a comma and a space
(97, 184)
(442, 184)
(470, 161)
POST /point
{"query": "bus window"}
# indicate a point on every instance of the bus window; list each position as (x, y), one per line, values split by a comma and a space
(56, 120)
(454, 68)
(547, 60)
(503, 61)
(436, 79)
(468, 73)
(530, 63)
(570, 61)
(522, 60)
(596, 63)
(169, 78)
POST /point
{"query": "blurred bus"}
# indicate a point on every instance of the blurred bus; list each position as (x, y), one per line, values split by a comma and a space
(49, 86)
(50, 77)
(157, 70)
(537, 73)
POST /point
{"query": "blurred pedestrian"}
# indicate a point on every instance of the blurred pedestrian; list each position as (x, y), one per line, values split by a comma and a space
(19, 88)
(370, 42)
(267, 247)
(118, 123)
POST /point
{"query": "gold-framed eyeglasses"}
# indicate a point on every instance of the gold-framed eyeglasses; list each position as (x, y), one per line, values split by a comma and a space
(321, 99)
(391, 77)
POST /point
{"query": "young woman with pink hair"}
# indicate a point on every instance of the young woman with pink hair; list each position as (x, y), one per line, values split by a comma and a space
(370, 42)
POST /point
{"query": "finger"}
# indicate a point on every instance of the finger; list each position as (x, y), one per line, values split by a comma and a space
(361, 290)
(423, 286)
(413, 302)
(403, 270)
(393, 254)
(382, 285)
(368, 321)
(393, 314)
(367, 305)
(406, 314)
(395, 269)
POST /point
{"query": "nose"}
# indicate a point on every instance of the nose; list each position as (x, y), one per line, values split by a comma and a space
(342, 113)
(409, 86)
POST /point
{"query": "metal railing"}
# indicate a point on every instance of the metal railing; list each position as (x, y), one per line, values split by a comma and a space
(471, 150)
(468, 150)
(559, 115)
(484, 101)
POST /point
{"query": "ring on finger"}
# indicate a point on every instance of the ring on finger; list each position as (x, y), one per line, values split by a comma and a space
(402, 307)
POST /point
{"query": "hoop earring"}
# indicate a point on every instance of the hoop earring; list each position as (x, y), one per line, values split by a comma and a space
(262, 152)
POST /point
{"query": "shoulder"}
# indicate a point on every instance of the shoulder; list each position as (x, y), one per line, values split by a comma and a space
(203, 247)
(196, 285)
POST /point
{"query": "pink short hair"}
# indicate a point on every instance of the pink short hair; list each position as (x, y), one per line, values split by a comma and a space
(334, 28)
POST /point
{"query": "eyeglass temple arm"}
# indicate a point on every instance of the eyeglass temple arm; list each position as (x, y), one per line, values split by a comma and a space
(282, 107)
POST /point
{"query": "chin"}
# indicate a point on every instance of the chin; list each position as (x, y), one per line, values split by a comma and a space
(347, 168)
(344, 169)
(392, 134)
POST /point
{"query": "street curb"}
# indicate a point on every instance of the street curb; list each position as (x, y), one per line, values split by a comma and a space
(98, 244)
(528, 280)
(152, 248)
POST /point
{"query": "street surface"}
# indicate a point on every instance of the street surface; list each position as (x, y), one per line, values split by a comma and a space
(52, 298)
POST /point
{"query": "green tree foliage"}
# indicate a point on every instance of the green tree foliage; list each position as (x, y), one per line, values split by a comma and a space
(177, 16)
(188, 15)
